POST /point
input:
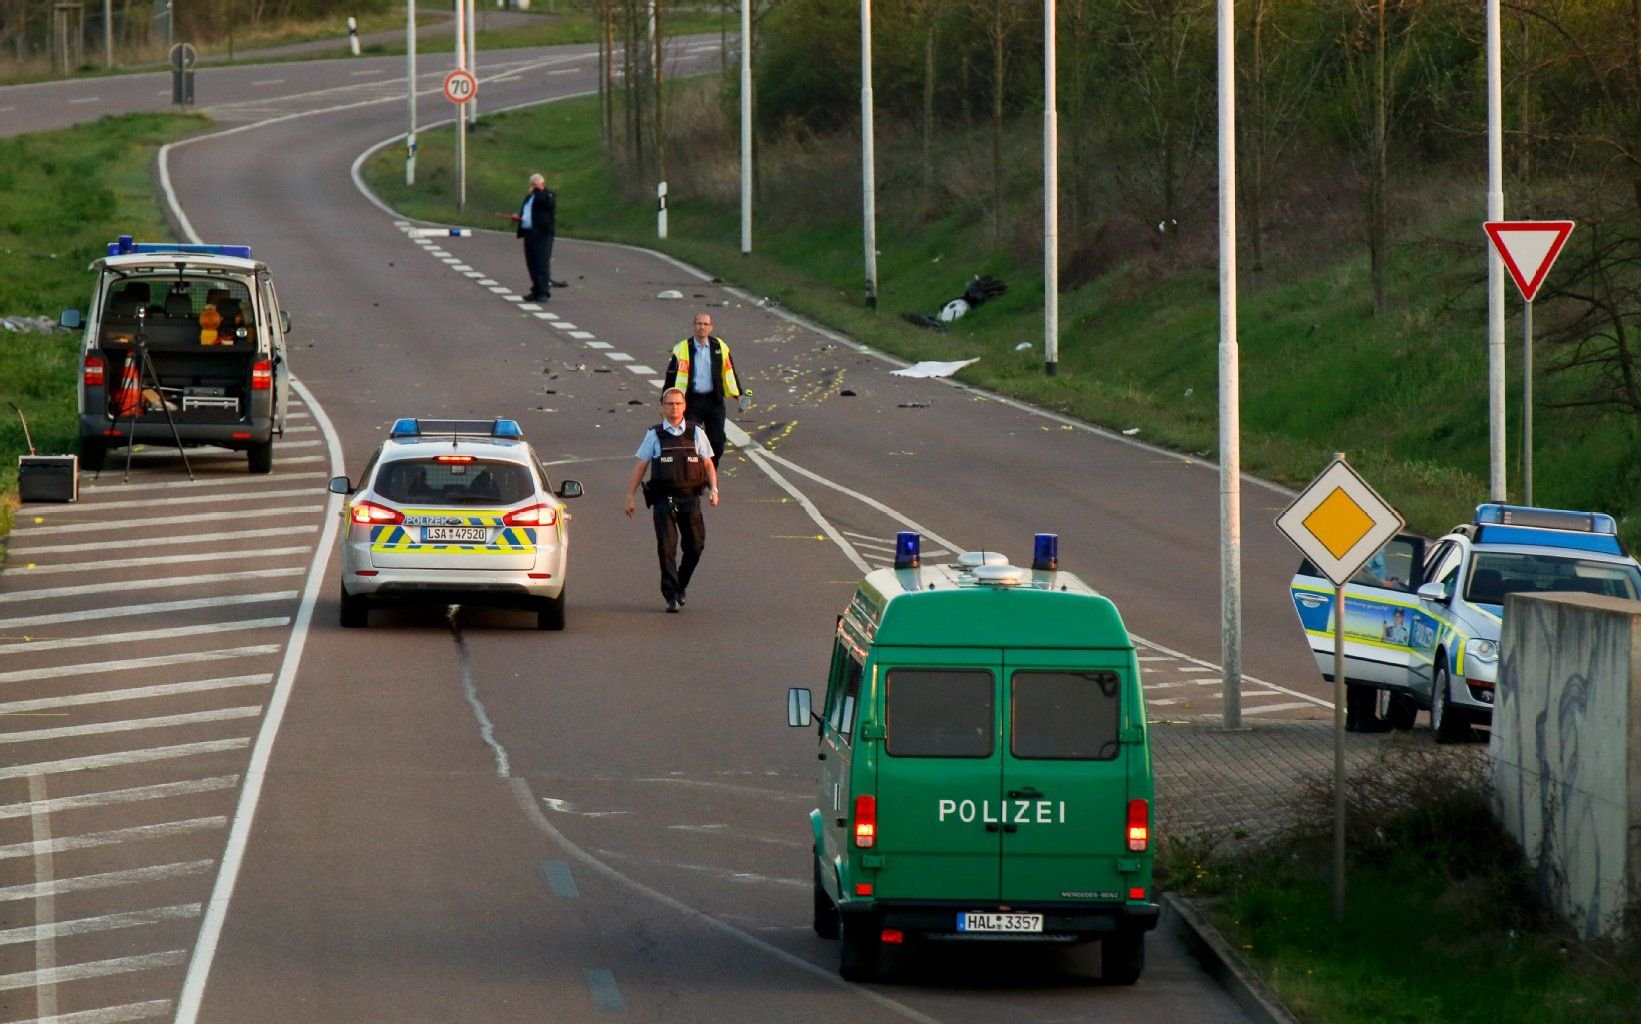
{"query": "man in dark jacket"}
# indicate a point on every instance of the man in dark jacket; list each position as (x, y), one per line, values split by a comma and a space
(537, 222)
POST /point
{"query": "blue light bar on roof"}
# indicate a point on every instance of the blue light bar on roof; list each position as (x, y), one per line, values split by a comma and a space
(908, 550)
(126, 247)
(409, 426)
(1546, 518)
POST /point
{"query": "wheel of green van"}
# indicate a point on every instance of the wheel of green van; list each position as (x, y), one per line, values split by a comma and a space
(861, 948)
(93, 451)
(1398, 709)
(1122, 958)
(1448, 723)
(825, 920)
(260, 457)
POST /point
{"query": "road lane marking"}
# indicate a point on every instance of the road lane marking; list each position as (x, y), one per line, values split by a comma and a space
(113, 837)
(138, 636)
(606, 995)
(107, 880)
(159, 791)
(104, 923)
(203, 517)
(88, 99)
(237, 480)
(123, 1014)
(159, 607)
(132, 725)
(95, 969)
(124, 586)
(45, 904)
(137, 563)
(193, 500)
(642, 371)
(74, 700)
(18, 554)
(129, 664)
(124, 757)
(560, 879)
(268, 81)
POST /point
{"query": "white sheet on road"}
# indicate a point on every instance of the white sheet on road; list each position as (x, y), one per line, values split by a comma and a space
(933, 368)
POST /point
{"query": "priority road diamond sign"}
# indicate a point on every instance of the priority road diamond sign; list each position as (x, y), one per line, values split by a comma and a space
(1338, 522)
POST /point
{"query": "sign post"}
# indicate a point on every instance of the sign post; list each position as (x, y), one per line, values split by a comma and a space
(1338, 522)
(459, 87)
(1527, 249)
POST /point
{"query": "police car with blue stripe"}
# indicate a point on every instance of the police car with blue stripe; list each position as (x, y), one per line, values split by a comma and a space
(1422, 629)
(455, 512)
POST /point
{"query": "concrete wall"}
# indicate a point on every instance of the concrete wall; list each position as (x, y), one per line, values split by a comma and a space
(1566, 750)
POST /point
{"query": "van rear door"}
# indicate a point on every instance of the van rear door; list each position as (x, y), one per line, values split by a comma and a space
(1065, 775)
(939, 779)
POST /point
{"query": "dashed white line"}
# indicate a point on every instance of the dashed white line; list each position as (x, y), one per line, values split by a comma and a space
(104, 923)
(641, 370)
(582, 335)
(191, 539)
(123, 1014)
(133, 563)
(31, 646)
(131, 725)
(111, 797)
(105, 880)
(203, 517)
(88, 99)
(546, 316)
(268, 81)
(193, 500)
(97, 614)
(96, 969)
(619, 357)
(487, 282)
(564, 325)
(124, 586)
(72, 700)
(113, 837)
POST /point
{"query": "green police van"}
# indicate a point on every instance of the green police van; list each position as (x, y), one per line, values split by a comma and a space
(985, 773)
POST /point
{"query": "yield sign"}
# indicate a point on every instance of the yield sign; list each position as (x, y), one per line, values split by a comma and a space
(1338, 522)
(1528, 247)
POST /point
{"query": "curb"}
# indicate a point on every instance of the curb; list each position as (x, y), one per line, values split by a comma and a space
(1222, 961)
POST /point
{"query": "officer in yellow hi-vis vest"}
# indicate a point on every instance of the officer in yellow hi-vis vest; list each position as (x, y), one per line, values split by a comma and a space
(702, 368)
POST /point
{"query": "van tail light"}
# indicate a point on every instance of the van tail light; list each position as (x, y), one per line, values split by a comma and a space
(531, 515)
(865, 822)
(368, 513)
(1139, 825)
(96, 371)
(262, 375)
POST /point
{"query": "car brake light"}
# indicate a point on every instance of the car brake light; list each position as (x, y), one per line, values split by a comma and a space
(262, 375)
(1139, 825)
(95, 371)
(531, 515)
(1136, 892)
(865, 822)
(452, 458)
(367, 513)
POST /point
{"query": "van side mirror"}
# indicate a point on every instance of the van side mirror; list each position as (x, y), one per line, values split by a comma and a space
(340, 485)
(799, 712)
(570, 489)
(71, 319)
(284, 322)
(1433, 592)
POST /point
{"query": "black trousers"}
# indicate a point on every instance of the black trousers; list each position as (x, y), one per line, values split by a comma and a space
(538, 260)
(678, 523)
(708, 411)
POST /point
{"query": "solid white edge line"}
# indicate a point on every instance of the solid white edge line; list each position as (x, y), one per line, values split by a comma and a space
(233, 856)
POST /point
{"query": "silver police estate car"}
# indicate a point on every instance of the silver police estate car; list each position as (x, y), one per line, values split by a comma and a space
(1423, 630)
(459, 512)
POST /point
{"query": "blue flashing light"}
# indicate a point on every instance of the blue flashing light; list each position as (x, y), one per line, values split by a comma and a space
(410, 426)
(126, 247)
(908, 550)
(1045, 552)
(1546, 518)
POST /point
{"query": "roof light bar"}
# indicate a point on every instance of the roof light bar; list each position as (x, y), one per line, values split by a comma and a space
(126, 247)
(410, 426)
(1545, 518)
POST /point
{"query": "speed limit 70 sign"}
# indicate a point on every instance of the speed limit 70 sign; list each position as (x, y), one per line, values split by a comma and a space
(460, 86)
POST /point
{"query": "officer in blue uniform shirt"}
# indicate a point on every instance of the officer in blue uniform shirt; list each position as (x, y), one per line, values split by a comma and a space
(678, 457)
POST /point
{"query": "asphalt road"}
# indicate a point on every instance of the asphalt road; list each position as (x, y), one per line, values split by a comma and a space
(218, 805)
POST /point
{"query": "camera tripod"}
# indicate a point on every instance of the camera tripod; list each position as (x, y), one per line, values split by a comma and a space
(146, 375)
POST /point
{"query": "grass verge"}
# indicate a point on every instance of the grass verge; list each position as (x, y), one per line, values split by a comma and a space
(1441, 924)
(68, 194)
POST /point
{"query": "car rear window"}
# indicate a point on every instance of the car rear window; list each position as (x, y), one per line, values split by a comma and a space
(420, 481)
(1064, 715)
(940, 713)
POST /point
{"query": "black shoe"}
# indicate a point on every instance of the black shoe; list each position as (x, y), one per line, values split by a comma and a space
(680, 599)
(672, 605)
(534, 297)
(559, 284)
(1367, 725)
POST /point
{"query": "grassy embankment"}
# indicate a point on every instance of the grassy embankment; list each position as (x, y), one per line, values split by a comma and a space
(1403, 394)
(68, 194)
